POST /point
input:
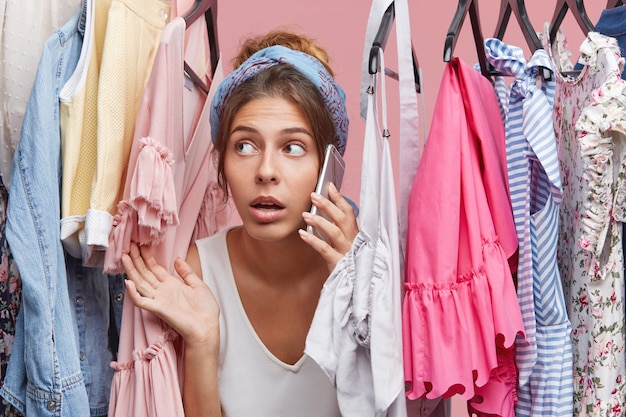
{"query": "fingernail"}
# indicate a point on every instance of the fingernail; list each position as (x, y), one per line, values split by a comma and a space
(302, 232)
(316, 196)
(307, 215)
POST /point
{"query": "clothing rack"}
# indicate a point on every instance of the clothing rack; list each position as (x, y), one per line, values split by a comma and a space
(577, 7)
(465, 7)
(208, 8)
(380, 41)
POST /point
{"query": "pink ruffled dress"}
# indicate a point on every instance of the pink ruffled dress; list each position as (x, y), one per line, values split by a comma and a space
(171, 198)
(461, 314)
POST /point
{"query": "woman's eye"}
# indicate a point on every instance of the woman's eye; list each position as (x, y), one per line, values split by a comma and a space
(244, 148)
(294, 149)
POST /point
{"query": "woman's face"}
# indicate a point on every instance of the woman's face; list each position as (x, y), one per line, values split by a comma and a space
(271, 165)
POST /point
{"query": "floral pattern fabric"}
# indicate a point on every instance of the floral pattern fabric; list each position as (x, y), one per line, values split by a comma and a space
(10, 300)
(590, 123)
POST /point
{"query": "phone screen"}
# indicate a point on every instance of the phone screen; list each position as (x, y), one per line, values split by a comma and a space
(332, 171)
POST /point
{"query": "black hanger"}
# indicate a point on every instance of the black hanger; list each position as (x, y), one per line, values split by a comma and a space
(208, 8)
(380, 41)
(614, 3)
(519, 10)
(518, 7)
(578, 9)
(462, 10)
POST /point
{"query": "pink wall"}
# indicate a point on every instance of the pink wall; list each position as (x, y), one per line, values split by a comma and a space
(339, 25)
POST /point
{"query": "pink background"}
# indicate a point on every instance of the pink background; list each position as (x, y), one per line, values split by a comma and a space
(339, 25)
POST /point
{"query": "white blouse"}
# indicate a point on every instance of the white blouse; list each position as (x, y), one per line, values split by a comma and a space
(25, 26)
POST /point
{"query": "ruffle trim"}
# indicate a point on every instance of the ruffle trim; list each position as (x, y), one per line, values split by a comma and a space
(150, 383)
(149, 354)
(151, 207)
(120, 238)
(479, 310)
(596, 44)
(557, 48)
(152, 192)
(498, 396)
(213, 214)
(606, 198)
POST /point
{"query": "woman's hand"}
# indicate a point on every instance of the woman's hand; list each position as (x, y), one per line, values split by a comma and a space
(186, 305)
(340, 232)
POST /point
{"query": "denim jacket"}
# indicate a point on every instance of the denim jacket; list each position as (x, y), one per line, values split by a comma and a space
(96, 300)
(44, 377)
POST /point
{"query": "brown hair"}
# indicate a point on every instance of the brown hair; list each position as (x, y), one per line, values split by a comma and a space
(279, 81)
(291, 40)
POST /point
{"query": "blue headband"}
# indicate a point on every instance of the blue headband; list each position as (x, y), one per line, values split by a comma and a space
(333, 95)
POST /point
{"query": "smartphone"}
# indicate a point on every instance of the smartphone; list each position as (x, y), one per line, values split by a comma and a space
(332, 171)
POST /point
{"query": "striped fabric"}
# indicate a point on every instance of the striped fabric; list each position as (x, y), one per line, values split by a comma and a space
(544, 358)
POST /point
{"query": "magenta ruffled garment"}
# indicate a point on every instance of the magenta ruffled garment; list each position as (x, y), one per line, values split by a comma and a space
(460, 313)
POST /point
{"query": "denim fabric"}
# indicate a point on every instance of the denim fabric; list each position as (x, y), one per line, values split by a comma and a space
(43, 377)
(94, 296)
(117, 291)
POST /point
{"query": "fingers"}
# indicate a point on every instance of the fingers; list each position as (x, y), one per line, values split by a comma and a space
(340, 230)
(336, 197)
(185, 271)
(347, 223)
(142, 270)
(330, 255)
(153, 270)
(145, 303)
(342, 227)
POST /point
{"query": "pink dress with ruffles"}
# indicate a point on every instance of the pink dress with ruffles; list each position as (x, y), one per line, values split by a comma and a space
(171, 198)
(460, 313)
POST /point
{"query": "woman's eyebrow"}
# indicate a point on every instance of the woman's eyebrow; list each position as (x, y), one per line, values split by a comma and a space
(243, 128)
(286, 131)
(291, 130)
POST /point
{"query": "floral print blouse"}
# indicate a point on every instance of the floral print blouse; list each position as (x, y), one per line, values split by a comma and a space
(10, 300)
(590, 123)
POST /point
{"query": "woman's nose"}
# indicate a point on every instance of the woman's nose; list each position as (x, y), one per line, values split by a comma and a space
(267, 171)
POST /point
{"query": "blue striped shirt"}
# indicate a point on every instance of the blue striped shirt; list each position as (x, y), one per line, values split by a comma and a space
(544, 357)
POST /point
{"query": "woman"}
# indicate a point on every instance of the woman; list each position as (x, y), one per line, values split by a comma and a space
(248, 294)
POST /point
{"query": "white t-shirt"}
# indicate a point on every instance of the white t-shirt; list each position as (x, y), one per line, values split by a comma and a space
(252, 381)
